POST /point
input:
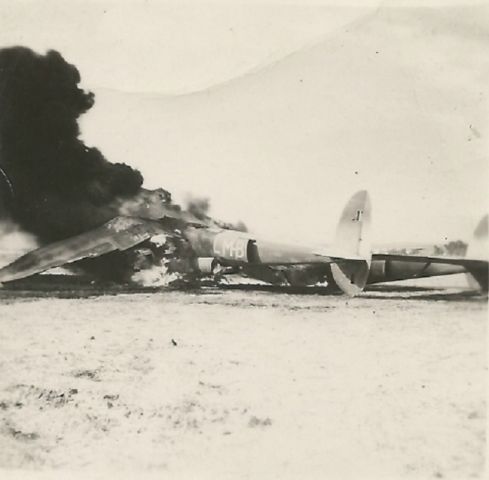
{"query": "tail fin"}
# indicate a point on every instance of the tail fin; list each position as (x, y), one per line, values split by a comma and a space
(478, 249)
(353, 238)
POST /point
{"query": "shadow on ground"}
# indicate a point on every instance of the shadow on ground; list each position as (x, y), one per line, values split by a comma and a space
(66, 286)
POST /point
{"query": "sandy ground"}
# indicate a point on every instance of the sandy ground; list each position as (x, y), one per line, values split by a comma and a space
(244, 384)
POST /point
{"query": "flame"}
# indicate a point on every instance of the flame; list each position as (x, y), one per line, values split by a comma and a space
(156, 276)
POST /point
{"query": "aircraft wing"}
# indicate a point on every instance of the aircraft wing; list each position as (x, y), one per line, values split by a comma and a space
(476, 268)
(451, 260)
(120, 233)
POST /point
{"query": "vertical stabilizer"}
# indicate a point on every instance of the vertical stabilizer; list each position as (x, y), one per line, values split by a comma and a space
(353, 238)
(478, 249)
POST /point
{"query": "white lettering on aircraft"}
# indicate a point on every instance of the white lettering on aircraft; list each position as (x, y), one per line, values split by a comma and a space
(228, 245)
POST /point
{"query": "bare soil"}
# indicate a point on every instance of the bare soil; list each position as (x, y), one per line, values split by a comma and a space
(243, 383)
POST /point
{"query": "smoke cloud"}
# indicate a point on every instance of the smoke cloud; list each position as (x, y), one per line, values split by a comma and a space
(61, 187)
(200, 207)
(53, 185)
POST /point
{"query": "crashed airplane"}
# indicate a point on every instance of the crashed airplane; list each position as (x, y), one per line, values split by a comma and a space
(103, 222)
(209, 250)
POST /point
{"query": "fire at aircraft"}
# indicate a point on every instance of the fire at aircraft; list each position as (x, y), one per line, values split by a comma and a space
(96, 215)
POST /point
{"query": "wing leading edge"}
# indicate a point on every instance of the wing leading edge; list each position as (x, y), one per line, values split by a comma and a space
(451, 260)
(120, 233)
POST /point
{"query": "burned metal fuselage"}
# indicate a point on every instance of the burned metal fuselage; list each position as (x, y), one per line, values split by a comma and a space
(271, 262)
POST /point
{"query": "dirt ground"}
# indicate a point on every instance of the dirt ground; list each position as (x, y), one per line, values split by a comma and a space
(244, 384)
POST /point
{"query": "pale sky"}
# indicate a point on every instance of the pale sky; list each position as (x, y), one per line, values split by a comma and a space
(279, 111)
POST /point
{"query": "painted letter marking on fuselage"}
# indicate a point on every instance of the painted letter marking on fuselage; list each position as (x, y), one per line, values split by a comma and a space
(228, 246)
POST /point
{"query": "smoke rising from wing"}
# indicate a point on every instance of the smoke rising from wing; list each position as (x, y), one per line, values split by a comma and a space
(52, 184)
(200, 207)
(61, 186)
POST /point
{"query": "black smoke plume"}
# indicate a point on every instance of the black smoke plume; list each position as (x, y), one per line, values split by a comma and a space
(52, 184)
(61, 187)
